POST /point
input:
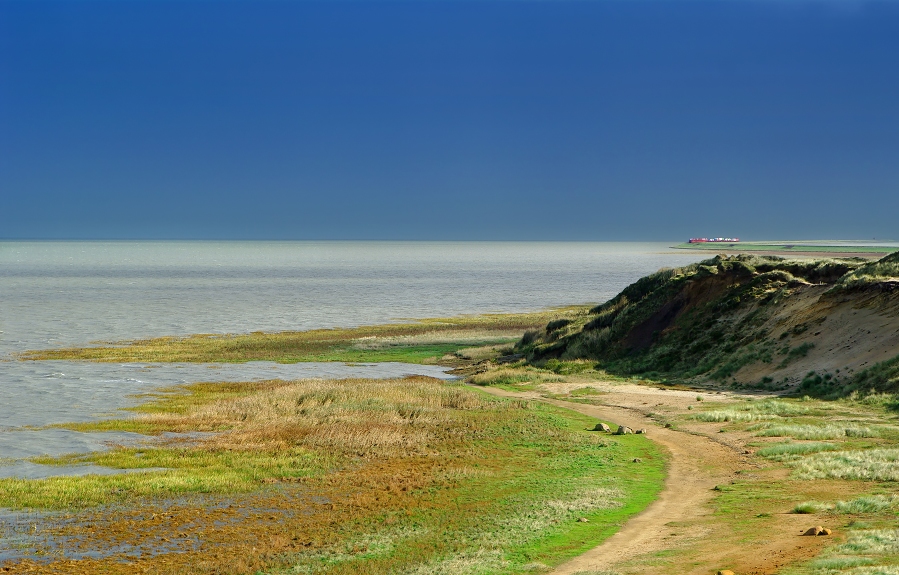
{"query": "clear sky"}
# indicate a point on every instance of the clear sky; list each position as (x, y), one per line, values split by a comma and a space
(519, 120)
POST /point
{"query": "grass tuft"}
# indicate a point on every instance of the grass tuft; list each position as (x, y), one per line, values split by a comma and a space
(789, 451)
(827, 431)
(754, 411)
(810, 507)
(879, 464)
(514, 375)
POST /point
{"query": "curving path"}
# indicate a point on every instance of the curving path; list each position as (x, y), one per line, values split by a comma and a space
(696, 465)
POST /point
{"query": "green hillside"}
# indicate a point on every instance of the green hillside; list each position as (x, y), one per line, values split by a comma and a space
(825, 327)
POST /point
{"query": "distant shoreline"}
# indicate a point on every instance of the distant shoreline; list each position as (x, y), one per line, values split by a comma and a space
(802, 249)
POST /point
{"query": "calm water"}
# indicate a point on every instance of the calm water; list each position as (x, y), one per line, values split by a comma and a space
(73, 293)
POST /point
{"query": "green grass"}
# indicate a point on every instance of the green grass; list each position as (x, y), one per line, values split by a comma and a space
(876, 464)
(859, 505)
(189, 471)
(810, 507)
(868, 504)
(754, 411)
(514, 376)
(816, 431)
(789, 451)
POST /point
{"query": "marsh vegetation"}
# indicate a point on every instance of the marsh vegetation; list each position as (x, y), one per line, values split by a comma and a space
(425, 340)
(413, 475)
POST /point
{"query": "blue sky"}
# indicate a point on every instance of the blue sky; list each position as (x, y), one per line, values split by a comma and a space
(519, 120)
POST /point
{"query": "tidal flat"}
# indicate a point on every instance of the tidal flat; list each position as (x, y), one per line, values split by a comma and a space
(339, 476)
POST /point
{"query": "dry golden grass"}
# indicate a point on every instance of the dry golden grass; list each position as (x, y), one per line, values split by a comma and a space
(414, 342)
(371, 417)
(515, 375)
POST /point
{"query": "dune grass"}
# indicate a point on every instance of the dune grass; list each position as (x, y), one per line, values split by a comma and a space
(788, 451)
(866, 552)
(816, 431)
(879, 464)
(754, 411)
(422, 341)
(883, 270)
(859, 505)
(352, 476)
(510, 376)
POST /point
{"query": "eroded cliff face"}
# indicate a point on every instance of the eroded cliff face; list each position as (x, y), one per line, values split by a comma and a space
(817, 326)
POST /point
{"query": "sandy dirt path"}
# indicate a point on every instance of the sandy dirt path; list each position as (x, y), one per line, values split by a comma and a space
(682, 515)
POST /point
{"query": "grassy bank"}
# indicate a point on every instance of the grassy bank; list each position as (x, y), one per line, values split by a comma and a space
(423, 341)
(358, 476)
(821, 327)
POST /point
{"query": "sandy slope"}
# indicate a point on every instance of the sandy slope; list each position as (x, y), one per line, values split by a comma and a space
(681, 518)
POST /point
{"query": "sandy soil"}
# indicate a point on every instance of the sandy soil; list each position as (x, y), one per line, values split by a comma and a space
(848, 334)
(682, 518)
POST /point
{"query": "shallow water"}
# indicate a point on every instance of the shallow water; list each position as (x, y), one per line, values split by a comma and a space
(72, 293)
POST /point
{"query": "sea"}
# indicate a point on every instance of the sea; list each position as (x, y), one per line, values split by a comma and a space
(55, 294)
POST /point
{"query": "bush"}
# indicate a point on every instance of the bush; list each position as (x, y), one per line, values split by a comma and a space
(530, 337)
(557, 324)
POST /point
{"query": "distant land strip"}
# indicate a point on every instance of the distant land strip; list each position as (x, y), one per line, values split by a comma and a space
(791, 249)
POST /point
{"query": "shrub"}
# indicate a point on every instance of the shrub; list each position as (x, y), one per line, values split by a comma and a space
(557, 324)
(530, 337)
(568, 367)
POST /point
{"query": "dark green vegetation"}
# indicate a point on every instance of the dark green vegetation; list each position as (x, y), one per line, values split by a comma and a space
(820, 327)
(354, 476)
(424, 341)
